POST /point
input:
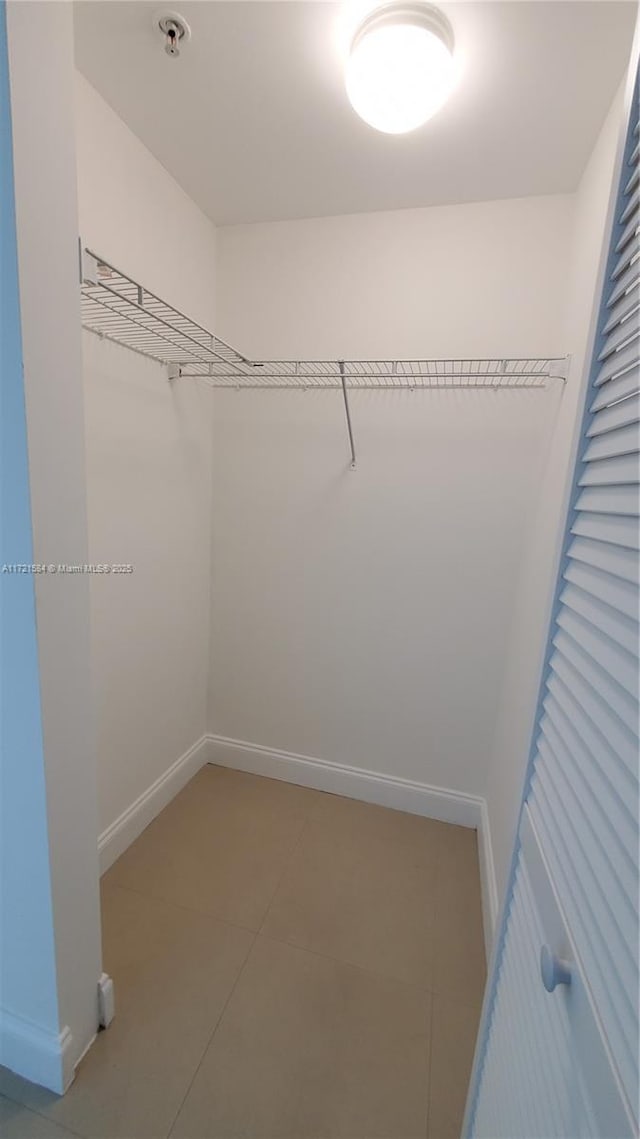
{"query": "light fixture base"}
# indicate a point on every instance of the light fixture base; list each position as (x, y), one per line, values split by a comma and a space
(425, 16)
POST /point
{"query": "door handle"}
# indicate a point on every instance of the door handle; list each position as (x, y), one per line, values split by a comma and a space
(553, 970)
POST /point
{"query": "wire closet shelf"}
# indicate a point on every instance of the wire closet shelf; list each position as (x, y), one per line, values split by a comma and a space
(118, 308)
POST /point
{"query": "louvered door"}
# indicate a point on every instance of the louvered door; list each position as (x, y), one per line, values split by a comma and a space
(565, 1063)
(547, 1073)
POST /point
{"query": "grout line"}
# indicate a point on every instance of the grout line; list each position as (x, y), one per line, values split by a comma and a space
(213, 1032)
(308, 817)
(35, 1111)
(434, 992)
(178, 906)
(430, 1067)
(256, 934)
(436, 917)
(424, 989)
(431, 990)
(287, 864)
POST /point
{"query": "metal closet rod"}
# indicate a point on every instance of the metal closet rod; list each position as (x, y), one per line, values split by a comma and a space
(116, 307)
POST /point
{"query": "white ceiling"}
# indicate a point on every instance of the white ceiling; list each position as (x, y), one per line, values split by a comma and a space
(254, 123)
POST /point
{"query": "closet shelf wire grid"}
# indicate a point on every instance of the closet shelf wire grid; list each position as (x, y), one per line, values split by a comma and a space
(117, 308)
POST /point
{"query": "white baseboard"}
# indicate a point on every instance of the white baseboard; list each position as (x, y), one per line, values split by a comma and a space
(353, 782)
(336, 778)
(35, 1053)
(488, 880)
(371, 786)
(125, 829)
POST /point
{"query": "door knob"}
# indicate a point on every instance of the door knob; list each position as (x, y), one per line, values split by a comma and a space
(553, 970)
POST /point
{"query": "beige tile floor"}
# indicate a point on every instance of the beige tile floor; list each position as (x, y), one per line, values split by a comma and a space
(288, 965)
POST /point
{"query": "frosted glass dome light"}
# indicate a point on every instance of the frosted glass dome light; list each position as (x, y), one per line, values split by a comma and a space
(400, 69)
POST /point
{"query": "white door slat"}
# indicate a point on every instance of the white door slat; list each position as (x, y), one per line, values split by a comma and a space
(628, 280)
(625, 469)
(614, 559)
(611, 623)
(631, 205)
(619, 594)
(618, 363)
(590, 724)
(625, 706)
(623, 308)
(556, 726)
(616, 390)
(624, 441)
(619, 415)
(633, 180)
(610, 500)
(609, 905)
(620, 664)
(618, 337)
(585, 740)
(597, 800)
(620, 531)
(624, 259)
(597, 711)
(630, 230)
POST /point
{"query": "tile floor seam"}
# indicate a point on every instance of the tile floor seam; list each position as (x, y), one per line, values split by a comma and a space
(470, 1006)
(42, 1115)
(215, 1029)
(436, 892)
(351, 964)
(444, 889)
(430, 1068)
(286, 866)
(301, 1134)
(179, 906)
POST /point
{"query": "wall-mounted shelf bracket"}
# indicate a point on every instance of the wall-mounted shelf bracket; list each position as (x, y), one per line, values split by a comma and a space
(559, 369)
(88, 268)
(347, 411)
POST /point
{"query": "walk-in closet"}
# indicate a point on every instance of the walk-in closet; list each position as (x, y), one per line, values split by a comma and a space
(320, 570)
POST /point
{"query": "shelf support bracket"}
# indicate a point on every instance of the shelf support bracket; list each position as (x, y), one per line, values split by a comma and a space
(559, 368)
(88, 268)
(347, 413)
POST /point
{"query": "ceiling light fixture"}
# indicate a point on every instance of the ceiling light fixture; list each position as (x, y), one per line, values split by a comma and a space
(400, 69)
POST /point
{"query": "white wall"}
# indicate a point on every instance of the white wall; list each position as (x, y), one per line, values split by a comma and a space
(136, 216)
(148, 470)
(475, 280)
(51, 1020)
(536, 584)
(361, 617)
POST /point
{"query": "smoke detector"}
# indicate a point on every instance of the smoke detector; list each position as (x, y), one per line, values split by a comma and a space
(174, 30)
